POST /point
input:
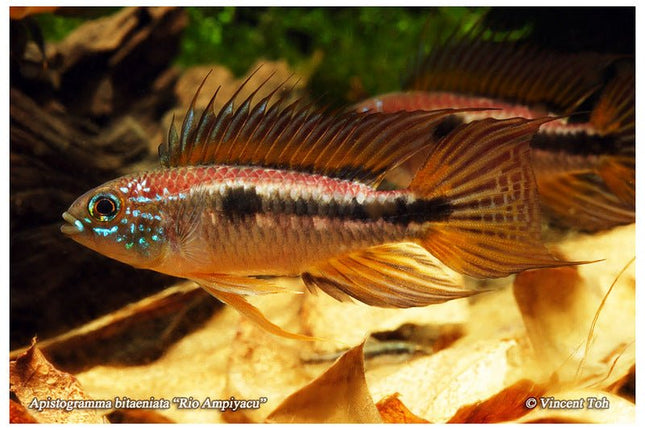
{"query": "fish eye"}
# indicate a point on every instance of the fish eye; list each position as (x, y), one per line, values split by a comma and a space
(104, 207)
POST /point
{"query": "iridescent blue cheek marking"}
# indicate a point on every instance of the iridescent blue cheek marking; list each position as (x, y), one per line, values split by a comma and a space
(149, 216)
(105, 232)
(143, 228)
(144, 244)
(79, 225)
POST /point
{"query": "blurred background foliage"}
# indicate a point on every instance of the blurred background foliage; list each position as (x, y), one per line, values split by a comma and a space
(346, 53)
(353, 52)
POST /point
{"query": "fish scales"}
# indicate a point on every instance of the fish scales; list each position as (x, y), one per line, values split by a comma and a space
(245, 217)
(253, 192)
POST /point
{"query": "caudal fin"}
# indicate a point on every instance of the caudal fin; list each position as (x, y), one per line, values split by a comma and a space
(483, 169)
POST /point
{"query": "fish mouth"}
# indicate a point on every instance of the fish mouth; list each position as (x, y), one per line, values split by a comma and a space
(74, 226)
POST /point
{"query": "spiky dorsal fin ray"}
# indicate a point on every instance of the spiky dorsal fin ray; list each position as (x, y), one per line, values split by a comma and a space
(345, 145)
(483, 169)
(509, 70)
(614, 113)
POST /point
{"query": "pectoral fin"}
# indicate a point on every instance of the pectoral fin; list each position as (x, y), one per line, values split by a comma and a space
(398, 275)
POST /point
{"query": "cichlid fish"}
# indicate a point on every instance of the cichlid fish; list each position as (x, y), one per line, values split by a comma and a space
(585, 169)
(261, 190)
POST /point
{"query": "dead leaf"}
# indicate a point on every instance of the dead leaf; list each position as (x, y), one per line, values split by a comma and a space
(555, 311)
(507, 405)
(436, 387)
(34, 380)
(18, 414)
(578, 330)
(194, 367)
(263, 365)
(135, 334)
(339, 395)
(393, 411)
(494, 315)
(348, 323)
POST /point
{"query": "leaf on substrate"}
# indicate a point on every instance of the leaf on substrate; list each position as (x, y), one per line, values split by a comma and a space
(196, 366)
(436, 387)
(18, 414)
(507, 405)
(486, 319)
(339, 395)
(135, 334)
(263, 365)
(348, 323)
(393, 411)
(626, 386)
(559, 307)
(620, 411)
(31, 377)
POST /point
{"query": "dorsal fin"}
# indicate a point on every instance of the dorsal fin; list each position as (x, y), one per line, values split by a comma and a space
(273, 134)
(513, 71)
(614, 113)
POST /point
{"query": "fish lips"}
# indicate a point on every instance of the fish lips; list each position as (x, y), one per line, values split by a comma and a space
(73, 226)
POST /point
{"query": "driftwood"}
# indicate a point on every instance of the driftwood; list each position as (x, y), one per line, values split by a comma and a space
(88, 113)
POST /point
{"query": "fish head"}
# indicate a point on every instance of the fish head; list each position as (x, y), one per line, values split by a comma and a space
(117, 220)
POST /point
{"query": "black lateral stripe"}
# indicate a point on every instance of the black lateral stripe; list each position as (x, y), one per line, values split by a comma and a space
(243, 202)
(577, 143)
(419, 211)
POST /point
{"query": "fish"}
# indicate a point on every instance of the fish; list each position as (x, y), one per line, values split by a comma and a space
(585, 168)
(266, 188)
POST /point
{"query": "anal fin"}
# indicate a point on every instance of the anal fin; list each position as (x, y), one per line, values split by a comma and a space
(619, 174)
(397, 275)
(583, 201)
